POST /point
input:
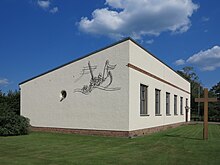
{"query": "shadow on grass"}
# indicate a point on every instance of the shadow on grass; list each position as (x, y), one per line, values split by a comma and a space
(183, 137)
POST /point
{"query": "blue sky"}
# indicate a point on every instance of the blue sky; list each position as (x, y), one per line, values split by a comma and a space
(39, 35)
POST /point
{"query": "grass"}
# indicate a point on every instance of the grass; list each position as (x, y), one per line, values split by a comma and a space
(182, 145)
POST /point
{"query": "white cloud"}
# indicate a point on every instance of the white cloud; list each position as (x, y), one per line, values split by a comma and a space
(54, 10)
(4, 82)
(205, 19)
(207, 60)
(135, 18)
(179, 62)
(149, 41)
(47, 6)
(43, 3)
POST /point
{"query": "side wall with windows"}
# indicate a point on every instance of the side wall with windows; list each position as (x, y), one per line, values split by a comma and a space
(144, 69)
(104, 106)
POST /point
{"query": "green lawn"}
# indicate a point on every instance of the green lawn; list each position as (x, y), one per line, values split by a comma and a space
(182, 145)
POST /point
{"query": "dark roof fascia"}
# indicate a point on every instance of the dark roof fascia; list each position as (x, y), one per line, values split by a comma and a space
(99, 50)
(157, 58)
(77, 59)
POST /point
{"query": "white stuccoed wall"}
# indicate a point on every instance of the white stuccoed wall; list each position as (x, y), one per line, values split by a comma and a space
(143, 60)
(100, 110)
(103, 110)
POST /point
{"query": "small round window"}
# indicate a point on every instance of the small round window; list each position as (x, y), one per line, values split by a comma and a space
(63, 95)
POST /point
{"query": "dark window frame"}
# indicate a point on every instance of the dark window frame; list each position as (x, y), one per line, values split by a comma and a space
(143, 100)
(187, 100)
(157, 102)
(175, 105)
(168, 104)
(181, 105)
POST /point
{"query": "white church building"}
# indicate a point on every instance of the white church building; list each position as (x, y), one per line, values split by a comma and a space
(120, 90)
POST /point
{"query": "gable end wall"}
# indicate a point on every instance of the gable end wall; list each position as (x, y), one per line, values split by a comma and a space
(98, 110)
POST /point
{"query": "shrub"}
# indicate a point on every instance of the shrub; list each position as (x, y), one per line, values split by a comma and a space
(13, 124)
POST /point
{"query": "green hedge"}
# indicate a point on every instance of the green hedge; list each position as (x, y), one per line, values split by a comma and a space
(13, 124)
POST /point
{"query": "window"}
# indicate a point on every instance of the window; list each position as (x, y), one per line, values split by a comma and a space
(143, 99)
(175, 105)
(181, 105)
(187, 109)
(167, 103)
(157, 102)
(186, 104)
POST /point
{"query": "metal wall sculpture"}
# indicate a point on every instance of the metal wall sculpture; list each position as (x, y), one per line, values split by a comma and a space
(102, 81)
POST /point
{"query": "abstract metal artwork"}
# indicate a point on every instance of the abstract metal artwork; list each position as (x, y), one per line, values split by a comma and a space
(102, 81)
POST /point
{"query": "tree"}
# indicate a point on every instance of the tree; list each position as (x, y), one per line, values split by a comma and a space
(196, 88)
(216, 89)
(13, 101)
(11, 123)
(189, 74)
(214, 108)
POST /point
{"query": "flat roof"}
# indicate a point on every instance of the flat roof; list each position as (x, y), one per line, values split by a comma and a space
(77, 59)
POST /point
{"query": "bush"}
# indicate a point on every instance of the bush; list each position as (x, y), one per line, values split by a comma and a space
(13, 124)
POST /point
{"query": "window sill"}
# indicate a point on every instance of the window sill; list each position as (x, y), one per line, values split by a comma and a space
(158, 114)
(175, 114)
(142, 115)
(182, 114)
(168, 114)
